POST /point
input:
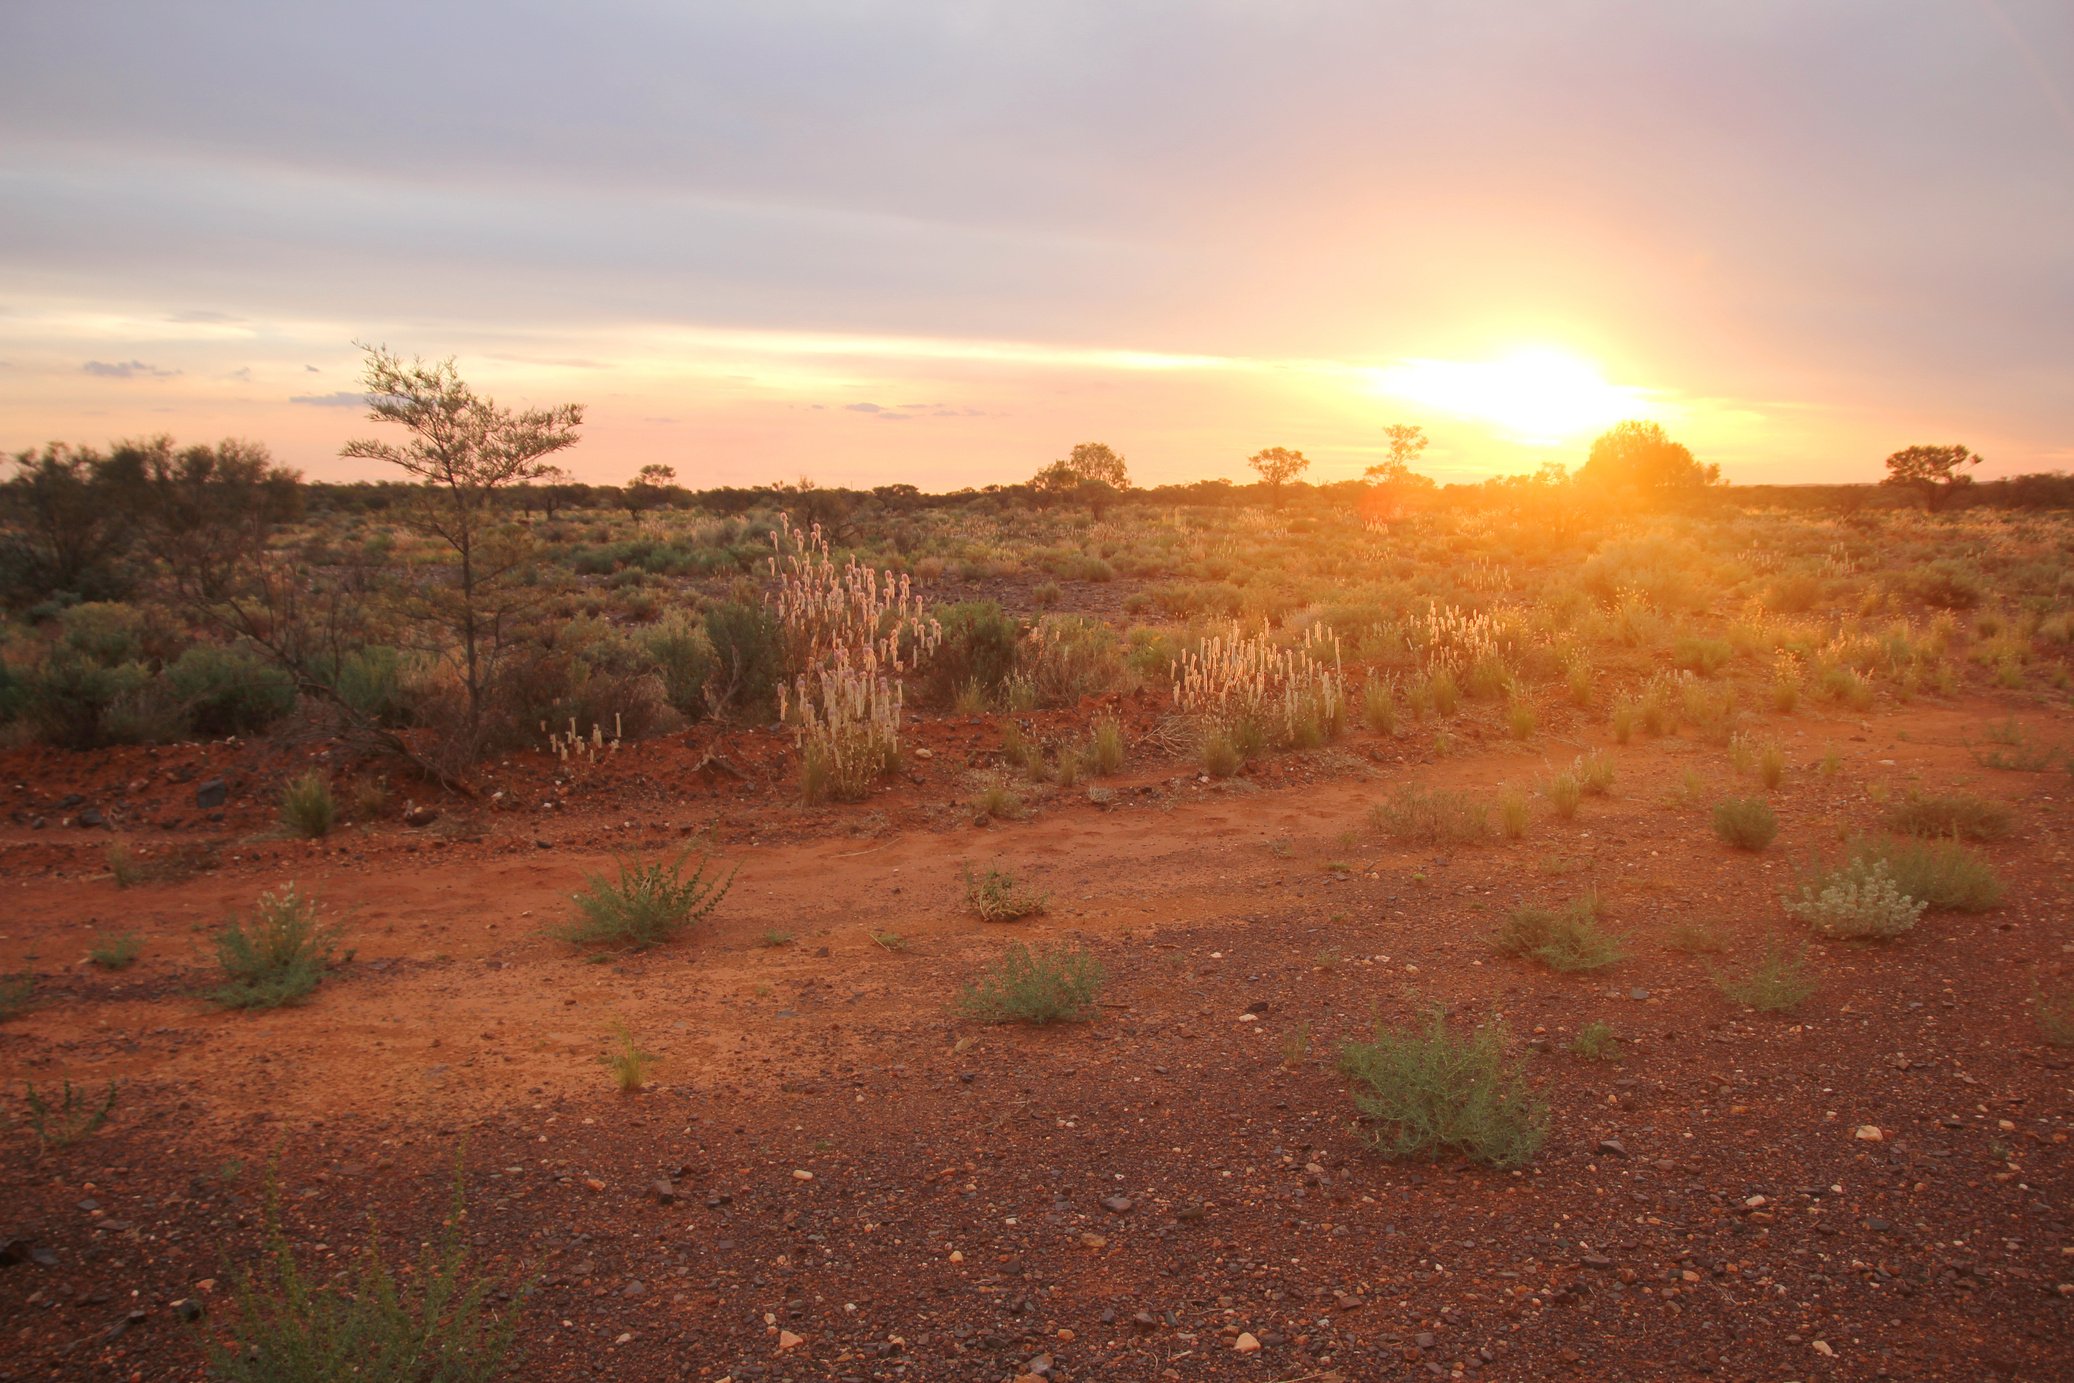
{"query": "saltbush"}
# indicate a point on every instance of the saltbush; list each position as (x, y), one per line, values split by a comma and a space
(1860, 900)
(1057, 984)
(1428, 1092)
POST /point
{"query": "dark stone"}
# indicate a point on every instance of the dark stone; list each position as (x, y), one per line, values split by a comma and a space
(213, 793)
(69, 801)
(664, 1192)
(92, 817)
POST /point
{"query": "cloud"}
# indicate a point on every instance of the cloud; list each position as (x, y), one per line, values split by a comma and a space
(243, 372)
(344, 398)
(880, 411)
(864, 408)
(127, 369)
(201, 315)
(311, 370)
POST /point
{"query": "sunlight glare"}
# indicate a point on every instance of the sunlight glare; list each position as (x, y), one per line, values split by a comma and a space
(1539, 397)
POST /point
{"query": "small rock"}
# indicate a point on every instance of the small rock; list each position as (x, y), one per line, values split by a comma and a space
(1117, 1205)
(1869, 1133)
(664, 1191)
(213, 793)
(788, 1340)
(1597, 1260)
(800, 1174)
(925, 753)
(92, 817)
(1611, 1147)
(635, 1289)
(188, 1309)
(1246, 1344)
(1822, 1348)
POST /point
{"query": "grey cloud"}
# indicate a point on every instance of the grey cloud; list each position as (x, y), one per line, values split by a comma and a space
(344, 398)
(126, 369)
(864, 408)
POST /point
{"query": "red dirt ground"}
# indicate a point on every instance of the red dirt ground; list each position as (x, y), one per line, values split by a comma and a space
(1704, 1207)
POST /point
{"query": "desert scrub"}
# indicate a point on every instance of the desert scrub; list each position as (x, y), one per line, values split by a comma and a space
(1567, 938)
(1520, 719)
(1378, 707)
(1512, 813)
(2053, 1011)
(1696, 938)
(626, 1061)
(431, 1325)
(279, 957)
(1422, 816)
(650, 903)
(1057, 984)
(1960, 816)
(997, 799)
(307, 806)
(1776, 982)
(1564, 793)
(17, 992)
(1942, 873)
(116, 950)
(1857, 901)
(1747, 823)
(1594, 773)
(1596, 1042)
(1106, 751)
(1771, 765)
(1221, 756)
(72, 1118)
(1424, 1093)
(995, 896)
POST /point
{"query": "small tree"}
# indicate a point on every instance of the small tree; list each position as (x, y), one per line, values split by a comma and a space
(1933, 472)
(1639, 459)
(1094, 461)
(1392, 483)
(1091, 474)
(466, 452)
(1277, 467)
(67, 523)
(1407, 443)
(650, 488)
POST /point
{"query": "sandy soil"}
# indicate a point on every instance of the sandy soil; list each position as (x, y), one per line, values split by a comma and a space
(833, 1177)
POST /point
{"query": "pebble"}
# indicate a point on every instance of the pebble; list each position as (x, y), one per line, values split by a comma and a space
(801, 1175)
(1869, 1133)
(1118, 1205)
(1246, 1344)
(788, 1340)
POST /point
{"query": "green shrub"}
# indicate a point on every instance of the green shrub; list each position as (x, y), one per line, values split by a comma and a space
(17, 993)
(978, 649)
(280, 958)
(650, 903)
(1857, 901)
(1419, 816)
(432, 1325)
(1428, 1092)
(307, 807)
(1777, 982)
(1960, 816)
(1596, 1042)
(684, 660)
(626, 1061)
(1378, 707)
(1942, 873)
(1221, 756)
(1055, 985)
(1747, 823)
(1068, 657)
(996, 897)
(748, 658)
(116, 950)
(72, 701)
(1707, 657)
(1107, 752)
(370, 681)
(229, 691)
(1697, 938)
(74, 1118)
(1566, 938)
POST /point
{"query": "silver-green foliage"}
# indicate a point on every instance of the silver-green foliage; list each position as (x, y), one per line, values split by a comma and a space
(1858, 901)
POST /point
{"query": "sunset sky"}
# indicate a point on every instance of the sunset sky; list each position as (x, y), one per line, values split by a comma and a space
(942, 243)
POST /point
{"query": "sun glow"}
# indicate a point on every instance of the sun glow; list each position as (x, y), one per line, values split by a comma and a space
(1540, 397)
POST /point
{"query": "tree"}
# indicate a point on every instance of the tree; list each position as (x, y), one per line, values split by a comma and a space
(1407, 443)
(207, 514)
(1095, 462)
(650, 488)
(465, 452)
(1933, 472)
(70, 523)
(1277, 467)
(1638, 459)
(1393, 485)
(1091, 474)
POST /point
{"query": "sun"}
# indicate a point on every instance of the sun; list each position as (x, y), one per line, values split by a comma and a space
(1537, 396)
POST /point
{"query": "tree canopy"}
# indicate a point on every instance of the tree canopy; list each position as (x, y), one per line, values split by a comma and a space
(1637, 457)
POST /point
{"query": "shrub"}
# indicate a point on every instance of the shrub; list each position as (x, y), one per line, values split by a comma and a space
(1777, 982)
(996, 897)
(1431, 817)
(1428, 1092)
(116, 950)
(650, 903)
(1068, 657)
(977, 650)
(626, 1061)
(1942, 873)
(1107, 752)
(1697, 938)
(229, 691)
(73, 1119)
(2053, 1011)
(1566, 938)
(1564, 794)
(748, 658)
(1520, 719)
(684, 660)
(1747, 823)
(1055, 985)
(1771, 765)
(1858, 901)
(17, 992)
(1706, 657)
(1378, 707)
(432, 1325)
(1596, 1042)
(1960, 816)
(997, 799)
(1512, 813)
(1594, 772)
(370, 680)
(74, 702)
(1221, 757)
(280, 958)
(307, 807)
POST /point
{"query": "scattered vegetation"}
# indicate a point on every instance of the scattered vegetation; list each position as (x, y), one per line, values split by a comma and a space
(1417, 816)
(1567, 938)
(1856, 901)
(1747, 823)
(307, 807)
(650, 903)
(1776, 982)
(1958, 816)
(116, 950)
(626, 1061)
(1057, 984)
(1428, 1092)
(1596, 1041)
(74, 1118)
(433, 1324)
(1941, 873)
(995, 896)
(17, 992)
(278, 957)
